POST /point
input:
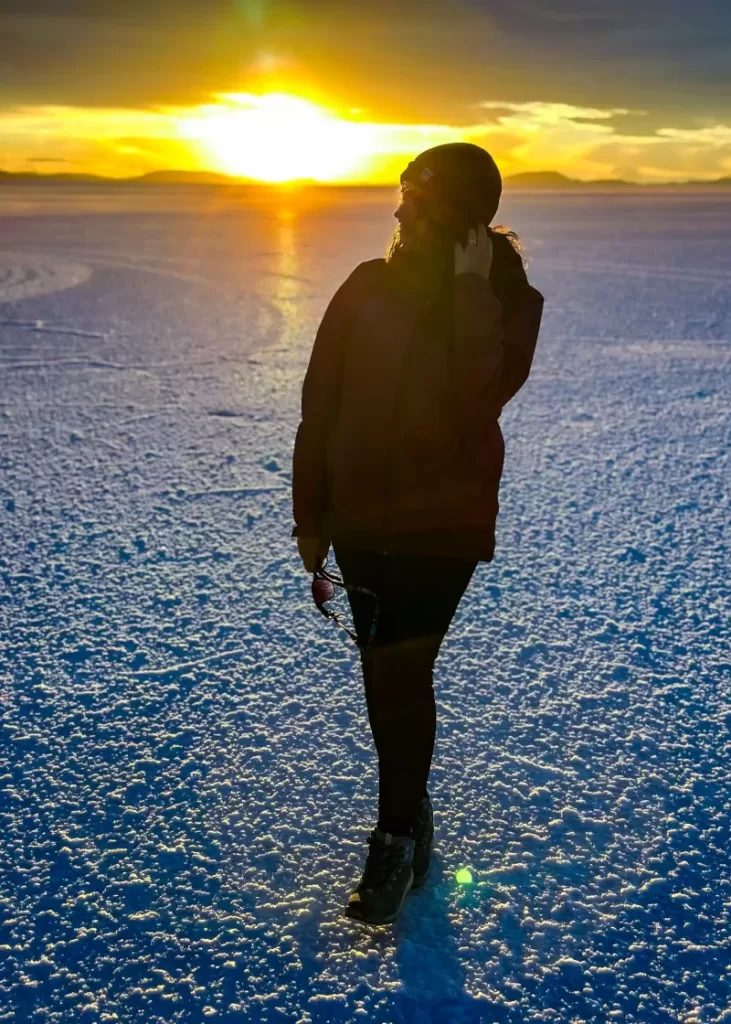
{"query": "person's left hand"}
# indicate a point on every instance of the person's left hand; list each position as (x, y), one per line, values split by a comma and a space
(313, 552)
(476, 257)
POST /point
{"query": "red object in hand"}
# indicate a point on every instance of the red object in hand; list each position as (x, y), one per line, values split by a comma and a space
(322, 590)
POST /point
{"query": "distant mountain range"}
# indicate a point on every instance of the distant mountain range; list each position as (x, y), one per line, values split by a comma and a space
(556, 180)
(154, 177)
(550, 180)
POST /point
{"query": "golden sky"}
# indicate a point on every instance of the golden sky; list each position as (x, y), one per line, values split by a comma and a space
(325, 90)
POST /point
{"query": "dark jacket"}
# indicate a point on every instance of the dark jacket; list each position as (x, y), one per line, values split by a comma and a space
(399, 448)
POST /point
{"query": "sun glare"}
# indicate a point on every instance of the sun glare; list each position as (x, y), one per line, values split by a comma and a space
(277, 138)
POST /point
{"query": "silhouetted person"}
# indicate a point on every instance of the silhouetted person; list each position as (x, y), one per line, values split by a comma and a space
(397, 463)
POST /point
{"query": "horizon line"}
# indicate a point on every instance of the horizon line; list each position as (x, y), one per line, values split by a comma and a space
(221, 178)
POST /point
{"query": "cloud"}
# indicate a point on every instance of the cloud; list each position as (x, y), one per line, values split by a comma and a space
(582, 141)
(554, 113)
(142, 53)
(113, 142)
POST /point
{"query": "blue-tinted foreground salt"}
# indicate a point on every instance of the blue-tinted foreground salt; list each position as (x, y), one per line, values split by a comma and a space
(187, 774)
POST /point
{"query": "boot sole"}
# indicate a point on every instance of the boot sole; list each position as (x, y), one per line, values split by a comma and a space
(388, 919)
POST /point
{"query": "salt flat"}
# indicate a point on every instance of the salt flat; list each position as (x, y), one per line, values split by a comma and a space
(187, 776)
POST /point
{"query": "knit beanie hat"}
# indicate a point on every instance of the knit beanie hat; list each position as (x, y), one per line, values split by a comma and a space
(459, 183)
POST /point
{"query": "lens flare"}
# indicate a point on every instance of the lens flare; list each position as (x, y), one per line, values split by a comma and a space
(463, 876)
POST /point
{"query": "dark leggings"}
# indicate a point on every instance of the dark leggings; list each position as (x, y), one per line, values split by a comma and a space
(418, 597)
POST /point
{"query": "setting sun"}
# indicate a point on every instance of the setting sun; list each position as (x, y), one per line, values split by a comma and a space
(277, 138)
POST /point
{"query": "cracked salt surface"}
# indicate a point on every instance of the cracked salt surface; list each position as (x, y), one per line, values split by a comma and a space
(26, 276)
(187, 779)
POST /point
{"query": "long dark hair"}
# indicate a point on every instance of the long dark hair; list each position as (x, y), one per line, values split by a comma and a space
(507, 272)
(431, 272)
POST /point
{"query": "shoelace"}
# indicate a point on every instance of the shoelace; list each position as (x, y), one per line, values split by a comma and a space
(382, 859)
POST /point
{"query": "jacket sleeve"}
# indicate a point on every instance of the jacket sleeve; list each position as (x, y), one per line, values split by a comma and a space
(492, 354)
(320, 403)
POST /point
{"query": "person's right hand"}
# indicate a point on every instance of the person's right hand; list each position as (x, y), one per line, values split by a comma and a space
(476, 257)
(313, 552)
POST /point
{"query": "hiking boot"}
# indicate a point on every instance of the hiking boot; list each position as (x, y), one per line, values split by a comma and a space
(423, 833)
(387, 878)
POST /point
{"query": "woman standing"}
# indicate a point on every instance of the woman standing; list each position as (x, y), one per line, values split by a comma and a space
(397, 463)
